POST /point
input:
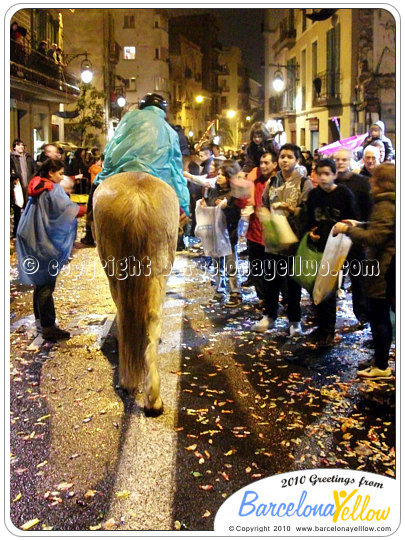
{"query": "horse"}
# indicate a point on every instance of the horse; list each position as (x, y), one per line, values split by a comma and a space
(136, 218)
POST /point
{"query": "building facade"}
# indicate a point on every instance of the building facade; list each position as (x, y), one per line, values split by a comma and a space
(202, 30)
(321, 59)
(39, 89)
(92, 31)
(190, 103)
(240, 94)
(143, 64)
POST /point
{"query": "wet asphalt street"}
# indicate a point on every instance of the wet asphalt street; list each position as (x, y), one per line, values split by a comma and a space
(239, 406)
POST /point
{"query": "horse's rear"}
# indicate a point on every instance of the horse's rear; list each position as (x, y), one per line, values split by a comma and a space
(136, 220)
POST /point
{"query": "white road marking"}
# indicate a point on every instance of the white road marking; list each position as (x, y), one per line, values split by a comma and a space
(149, 452)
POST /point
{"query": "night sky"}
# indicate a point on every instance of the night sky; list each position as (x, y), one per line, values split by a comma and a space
(240, 27)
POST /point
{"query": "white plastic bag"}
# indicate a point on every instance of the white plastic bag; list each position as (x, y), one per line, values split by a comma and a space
(18, 195)
(212, 230)
(334, 255)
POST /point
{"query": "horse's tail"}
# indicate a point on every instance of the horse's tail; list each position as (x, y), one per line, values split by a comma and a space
(136, 222)
(139, 313)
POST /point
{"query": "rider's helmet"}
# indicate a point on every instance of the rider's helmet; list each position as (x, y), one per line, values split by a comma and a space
(154, 100)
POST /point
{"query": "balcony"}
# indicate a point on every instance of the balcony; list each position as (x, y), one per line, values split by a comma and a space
(286, 38)
(35, 74)
(282, 105)
(326, 89)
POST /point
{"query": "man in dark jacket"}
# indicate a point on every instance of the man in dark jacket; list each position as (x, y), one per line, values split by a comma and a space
(183, 141)
(360, 186)
(371, 158)
(206, 157)
(22, 169)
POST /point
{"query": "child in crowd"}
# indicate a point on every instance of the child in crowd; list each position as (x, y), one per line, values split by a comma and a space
(326, 205)
(96, 168)
(205, 180)
(260, 143)
(45, 238)
(290, 196)
(220, 195)
(378, 237)
(377, 133)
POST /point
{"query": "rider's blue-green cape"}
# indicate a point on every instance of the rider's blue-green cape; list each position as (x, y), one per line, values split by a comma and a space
(145, 142)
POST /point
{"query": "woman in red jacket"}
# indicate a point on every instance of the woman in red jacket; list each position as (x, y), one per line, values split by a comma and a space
(45, 237)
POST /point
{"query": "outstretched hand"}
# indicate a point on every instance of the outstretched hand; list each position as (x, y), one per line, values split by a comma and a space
(314, 237)
(339, 228)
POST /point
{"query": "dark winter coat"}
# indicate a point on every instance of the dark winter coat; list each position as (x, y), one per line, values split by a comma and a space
(326, 208)
(205, 165)
(232, 211)
(389, 150)
(360, 186)
(378, 238)
(183, 141)
(255, 151)
(17, 170)
(75, 167)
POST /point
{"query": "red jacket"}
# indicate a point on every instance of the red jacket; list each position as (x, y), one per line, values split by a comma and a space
(255, 230)
(37, 185)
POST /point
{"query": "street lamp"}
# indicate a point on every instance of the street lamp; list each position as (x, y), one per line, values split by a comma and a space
(231, 113)
(199, 99)
(278, 80)
(86, 71)
(121, 101)
(86, 67)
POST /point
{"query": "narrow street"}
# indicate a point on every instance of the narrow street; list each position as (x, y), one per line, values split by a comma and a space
(239, 406)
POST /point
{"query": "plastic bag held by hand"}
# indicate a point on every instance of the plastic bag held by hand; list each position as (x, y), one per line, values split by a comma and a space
(18, 195)
(212, 229)
(277, 230)
(306, 264)
(334, 255)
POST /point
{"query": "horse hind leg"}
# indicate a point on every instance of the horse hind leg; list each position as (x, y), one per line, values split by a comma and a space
(153, 402)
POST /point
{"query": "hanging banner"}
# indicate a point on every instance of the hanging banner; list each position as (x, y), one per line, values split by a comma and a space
(351, 143)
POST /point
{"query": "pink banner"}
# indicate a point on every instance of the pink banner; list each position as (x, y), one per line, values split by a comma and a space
(351, 143)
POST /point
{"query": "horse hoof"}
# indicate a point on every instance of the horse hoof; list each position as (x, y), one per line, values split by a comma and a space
(154, 413)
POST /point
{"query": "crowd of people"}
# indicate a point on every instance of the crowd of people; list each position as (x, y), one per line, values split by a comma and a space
(46, 58)
(80, 165)
(316, 195)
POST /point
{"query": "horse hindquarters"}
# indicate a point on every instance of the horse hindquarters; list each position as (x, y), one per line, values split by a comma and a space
(136, 216)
